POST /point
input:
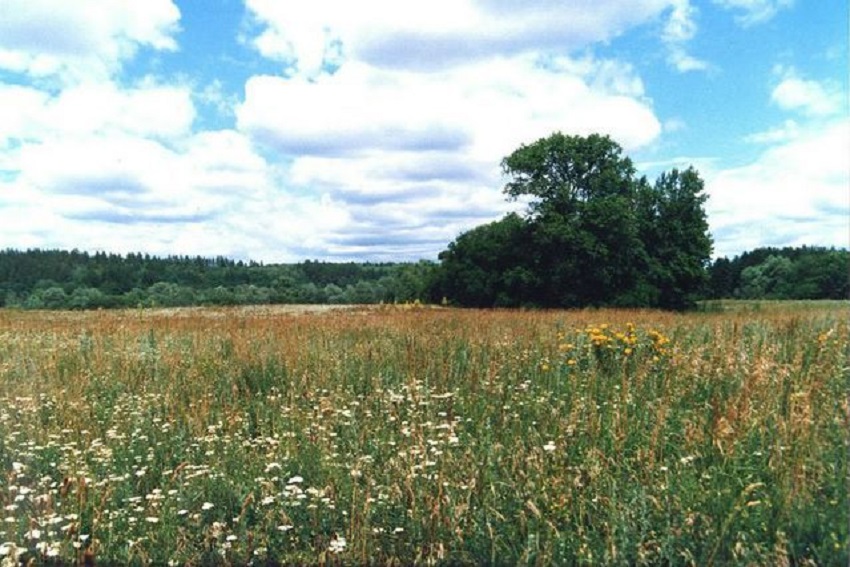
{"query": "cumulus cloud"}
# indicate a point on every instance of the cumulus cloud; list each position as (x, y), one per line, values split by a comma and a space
(795, 193)
(434, 35)
(379, 138)
(409, 147)
(752, 12)
(484, 108)
(809, 97)
(154, 110)
(681, 27)
(81, 39)
(209, 193)
(401, 113)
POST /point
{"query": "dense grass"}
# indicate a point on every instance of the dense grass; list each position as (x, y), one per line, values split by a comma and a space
(416, 435)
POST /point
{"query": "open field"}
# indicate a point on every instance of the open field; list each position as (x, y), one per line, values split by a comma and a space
(399, 435)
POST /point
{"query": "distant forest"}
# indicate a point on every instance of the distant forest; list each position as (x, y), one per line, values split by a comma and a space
(55, 279)
(782, 273)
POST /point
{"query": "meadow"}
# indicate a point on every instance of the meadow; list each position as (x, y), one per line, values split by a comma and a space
(404, 434)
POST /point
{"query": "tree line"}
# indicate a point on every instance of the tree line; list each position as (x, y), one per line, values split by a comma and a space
(57, 279)
(804, 272)
(594, 234)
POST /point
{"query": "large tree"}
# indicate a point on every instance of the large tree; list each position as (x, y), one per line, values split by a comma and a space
(594, 233)
(676, 237)
(489, 266)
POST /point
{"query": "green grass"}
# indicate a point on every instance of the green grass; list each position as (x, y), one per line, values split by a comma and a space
(433, 436)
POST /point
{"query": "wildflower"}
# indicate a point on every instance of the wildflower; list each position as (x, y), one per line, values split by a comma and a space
(295, 480)
(285, 528)
(207, 506)
(398, 530)
(337, 545)
(152, 520)
(549, 447)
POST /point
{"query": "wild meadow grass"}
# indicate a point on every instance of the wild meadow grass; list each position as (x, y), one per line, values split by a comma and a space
(399, 436)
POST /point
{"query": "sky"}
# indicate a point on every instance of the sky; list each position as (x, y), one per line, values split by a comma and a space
(373, 130)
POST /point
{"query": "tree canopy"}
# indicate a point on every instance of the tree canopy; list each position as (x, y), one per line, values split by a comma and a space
(805, 272)
(594, 234)
(55, 279)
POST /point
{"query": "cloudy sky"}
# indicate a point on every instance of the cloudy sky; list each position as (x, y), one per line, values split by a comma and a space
(280, 131)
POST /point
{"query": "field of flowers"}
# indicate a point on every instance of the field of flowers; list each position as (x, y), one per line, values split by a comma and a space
(414, 435)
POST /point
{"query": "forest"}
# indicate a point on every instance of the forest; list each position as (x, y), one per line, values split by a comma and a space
(594, 234)
(58, 279)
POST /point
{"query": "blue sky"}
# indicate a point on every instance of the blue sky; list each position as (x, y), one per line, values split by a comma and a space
(373, 130)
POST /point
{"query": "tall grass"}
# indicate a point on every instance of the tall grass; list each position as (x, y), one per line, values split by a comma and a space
(431, 436)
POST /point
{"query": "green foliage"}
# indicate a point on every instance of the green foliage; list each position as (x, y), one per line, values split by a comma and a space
(594, 234)
(53, 279)
(676, 237)
(489, 266)
(782, 273)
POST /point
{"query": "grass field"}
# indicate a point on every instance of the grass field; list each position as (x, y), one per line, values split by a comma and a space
(400, 435)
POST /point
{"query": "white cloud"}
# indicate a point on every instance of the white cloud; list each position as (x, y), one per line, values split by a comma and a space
(789, 130)
(681, 25)
(84, 38)
(437, 34)
(21, 108)
(752, 12)
(421, 151)
(807, 96)
(680, 28)
(371, 161)
(401, 113)
(381, 138)
(209, 194)
(487, 109)
(795, 193)
(147, 111)
(684, 62)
